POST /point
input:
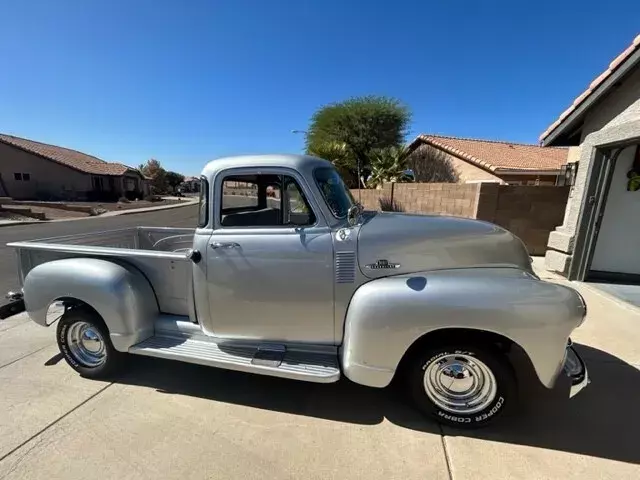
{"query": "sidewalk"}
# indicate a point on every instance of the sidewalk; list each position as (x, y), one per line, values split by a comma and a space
(115, 213)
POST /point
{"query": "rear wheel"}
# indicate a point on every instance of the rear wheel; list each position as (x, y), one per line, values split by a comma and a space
(463, 386)
(83, 340)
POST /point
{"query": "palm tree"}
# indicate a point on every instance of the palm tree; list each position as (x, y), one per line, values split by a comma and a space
(388, 165)
(341, 157)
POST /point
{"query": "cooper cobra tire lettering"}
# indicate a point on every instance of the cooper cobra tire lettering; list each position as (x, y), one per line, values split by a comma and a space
(491, 412)
(453, 418)
(64, 347)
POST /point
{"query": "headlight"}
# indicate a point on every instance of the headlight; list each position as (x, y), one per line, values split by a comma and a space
(584, 306)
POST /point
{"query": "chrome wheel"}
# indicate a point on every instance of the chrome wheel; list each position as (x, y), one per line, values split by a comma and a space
(86, 344)
(460, 383)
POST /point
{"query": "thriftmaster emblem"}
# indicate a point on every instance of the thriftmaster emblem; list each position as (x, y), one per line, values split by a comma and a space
(382, 264)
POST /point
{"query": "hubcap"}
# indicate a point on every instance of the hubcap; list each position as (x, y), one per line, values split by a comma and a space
(86, 344)
(460, 383)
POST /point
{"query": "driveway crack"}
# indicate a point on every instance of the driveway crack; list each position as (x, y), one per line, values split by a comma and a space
(41, 431)
(447, 456)
(25, 356)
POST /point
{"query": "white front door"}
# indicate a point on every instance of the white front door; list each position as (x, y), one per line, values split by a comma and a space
(618, 243)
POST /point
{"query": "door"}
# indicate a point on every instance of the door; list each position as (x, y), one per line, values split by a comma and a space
(270, 262)
(618, 236)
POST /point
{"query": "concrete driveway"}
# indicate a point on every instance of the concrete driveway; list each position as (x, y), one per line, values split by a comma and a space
(169, 420)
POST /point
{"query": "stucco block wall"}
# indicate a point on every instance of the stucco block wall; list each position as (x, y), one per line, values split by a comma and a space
(619, 106)
(46, 177)
(427, 198)
(530, 212)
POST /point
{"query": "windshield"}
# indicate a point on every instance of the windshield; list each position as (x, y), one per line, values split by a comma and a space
(334, 191)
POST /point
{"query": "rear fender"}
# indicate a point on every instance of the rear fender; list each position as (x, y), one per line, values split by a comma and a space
(122, 296)
(386, 316)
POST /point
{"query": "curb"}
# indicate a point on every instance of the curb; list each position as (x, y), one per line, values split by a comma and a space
(143, 210)
(13, 223)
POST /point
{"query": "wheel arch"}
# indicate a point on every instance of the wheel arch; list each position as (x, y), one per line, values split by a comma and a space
(469, 336)
(122, 297)
(390, 316)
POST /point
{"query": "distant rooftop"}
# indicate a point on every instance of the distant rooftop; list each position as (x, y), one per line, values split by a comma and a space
(66, 156)
(498, 156)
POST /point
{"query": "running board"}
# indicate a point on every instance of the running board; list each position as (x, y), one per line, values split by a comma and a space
(264, 359)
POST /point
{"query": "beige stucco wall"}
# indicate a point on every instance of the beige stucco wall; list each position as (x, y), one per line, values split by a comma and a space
(471, 173)
(46, 176)
(619, 106)
(467, 172)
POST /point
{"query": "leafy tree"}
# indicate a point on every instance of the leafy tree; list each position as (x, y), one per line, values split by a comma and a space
(362, 124)
(174, 179)
(431, 165)
(158, 175)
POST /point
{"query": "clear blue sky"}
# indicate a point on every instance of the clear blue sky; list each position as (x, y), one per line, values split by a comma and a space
(187, 81)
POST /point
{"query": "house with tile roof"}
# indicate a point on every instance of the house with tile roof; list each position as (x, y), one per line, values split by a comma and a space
(600, 234)
(494, 161)
(35, 170)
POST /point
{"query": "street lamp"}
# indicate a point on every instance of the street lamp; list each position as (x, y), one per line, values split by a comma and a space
(299, 131)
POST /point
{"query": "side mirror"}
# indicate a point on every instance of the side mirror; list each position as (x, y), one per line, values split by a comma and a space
(195, 256)
(352, 215)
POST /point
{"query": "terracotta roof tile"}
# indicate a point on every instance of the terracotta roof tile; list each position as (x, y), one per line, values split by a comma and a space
(495, 155)
(65, 156)
(594, 85)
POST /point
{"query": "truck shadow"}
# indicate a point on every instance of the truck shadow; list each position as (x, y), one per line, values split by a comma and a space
(602, 421)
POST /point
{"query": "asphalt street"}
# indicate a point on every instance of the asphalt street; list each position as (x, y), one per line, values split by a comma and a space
(176, 217)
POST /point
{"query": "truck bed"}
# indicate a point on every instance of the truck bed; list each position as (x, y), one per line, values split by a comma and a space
(161, 254)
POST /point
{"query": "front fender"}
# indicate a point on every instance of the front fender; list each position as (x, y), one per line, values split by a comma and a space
(386, 316)
(123, 297)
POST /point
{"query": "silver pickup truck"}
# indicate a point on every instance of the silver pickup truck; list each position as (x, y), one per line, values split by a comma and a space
(285, 275)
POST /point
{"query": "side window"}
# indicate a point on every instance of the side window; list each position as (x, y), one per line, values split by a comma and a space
(263, 201)
(203, 203)
(296, 208)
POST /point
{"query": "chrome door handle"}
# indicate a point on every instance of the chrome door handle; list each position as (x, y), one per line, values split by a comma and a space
(225, 245)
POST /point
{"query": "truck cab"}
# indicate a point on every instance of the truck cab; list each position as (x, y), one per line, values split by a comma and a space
(267, 232)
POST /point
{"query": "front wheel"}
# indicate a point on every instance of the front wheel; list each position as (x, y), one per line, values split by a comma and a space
(83, 340)
(462, 386)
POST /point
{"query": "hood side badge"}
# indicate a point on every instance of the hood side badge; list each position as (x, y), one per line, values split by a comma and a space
(382, 265)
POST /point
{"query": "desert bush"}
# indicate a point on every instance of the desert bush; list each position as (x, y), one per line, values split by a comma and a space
(389, 205)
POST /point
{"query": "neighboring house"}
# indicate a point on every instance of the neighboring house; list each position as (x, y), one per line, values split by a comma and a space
(600, 234)
(34, 170)
(499, 162)
(190, 184)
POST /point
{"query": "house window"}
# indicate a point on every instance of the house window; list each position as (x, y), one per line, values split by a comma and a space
(97, 183)
(17, 176)
(26, 177)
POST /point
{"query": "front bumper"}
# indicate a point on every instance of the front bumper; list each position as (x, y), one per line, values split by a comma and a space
(575, 368)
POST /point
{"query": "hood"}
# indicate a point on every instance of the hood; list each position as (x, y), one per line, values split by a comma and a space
(395, 243)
